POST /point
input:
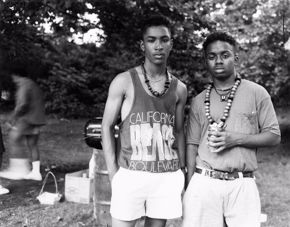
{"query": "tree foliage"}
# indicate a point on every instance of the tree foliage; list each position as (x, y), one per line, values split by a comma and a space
(262, 27)
(75, 78)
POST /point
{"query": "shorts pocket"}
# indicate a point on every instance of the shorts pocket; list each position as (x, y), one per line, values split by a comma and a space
(180, 179)
(115, 176)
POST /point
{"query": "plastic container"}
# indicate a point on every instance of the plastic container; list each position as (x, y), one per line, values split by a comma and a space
(217, 127)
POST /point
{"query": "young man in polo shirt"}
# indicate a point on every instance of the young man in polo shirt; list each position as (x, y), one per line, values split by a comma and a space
(228, 121)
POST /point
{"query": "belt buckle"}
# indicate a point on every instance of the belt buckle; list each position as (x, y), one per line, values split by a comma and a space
(211, 174)
(225, 176)
(217, 175)
(207, 173)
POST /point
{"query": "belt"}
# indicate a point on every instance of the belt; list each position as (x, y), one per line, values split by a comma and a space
(223, 175)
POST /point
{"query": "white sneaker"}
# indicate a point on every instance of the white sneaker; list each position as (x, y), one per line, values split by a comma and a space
(12, 175)
(33, 176)
(17, 169)
(3, 190)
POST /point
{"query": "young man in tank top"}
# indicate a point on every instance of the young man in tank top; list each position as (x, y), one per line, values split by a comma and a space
(146, 174)
(228, 121)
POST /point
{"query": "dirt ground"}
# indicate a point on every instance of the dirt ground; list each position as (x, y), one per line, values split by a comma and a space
(63, 150)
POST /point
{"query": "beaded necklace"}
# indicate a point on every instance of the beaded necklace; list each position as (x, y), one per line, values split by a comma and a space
(223, 96)
(224, 89)
(156, 93)
(228, 105)
(154, 81)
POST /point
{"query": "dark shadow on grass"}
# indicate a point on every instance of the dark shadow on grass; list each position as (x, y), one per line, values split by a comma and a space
(28, 189)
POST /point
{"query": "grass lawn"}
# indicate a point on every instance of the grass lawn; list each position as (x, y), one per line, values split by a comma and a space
(63, 150)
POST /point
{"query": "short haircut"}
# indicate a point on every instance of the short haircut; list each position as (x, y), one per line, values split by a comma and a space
(220, 36)
(155, 20)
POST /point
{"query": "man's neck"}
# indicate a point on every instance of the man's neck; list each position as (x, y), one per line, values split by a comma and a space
(224, 84)
(154, 70)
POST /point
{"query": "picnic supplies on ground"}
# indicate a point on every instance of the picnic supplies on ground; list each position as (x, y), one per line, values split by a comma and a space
(49, 198)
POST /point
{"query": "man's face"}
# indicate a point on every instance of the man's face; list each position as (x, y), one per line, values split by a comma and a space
(157, 44)
(221, 59)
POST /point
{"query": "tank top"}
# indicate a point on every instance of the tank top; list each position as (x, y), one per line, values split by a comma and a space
(147, 133)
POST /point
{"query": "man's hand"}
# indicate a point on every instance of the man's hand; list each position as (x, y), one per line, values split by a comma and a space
(112, 174)
(222, 140)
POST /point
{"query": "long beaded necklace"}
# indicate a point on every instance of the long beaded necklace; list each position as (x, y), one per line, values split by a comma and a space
(156, 93)
(228, 105)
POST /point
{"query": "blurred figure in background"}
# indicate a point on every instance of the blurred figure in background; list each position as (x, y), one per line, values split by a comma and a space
(6, 87)
(2, 149)
(25, 123)
(3, 103)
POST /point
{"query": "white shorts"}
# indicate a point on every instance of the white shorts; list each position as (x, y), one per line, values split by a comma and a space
(211, 202)
(138, 193)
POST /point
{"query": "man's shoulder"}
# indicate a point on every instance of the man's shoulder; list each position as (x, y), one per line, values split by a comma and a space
(123, 76)
(200, 96)
(251, 86)
(198, 100)
(180, 84)
(122, 81)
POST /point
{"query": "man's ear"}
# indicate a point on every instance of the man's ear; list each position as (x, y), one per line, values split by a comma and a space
(236, 58)
(171, 43)
(142, 47)
(204, 58)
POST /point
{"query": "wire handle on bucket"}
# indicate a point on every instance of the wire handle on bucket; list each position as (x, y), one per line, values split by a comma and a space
(45, 180)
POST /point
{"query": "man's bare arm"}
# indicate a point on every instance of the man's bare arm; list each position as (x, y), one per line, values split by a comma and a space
(191, 153)
(111, 114)
(227, 139)
(179, 122)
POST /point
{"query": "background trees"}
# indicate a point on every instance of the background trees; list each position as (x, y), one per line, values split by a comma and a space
(76, 77)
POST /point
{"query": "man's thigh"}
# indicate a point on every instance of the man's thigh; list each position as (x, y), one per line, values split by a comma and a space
(164, 200)
(128, 195)
(156, 195)
(243, 207)
(119, 223)
(203, 202)
(151, 222)
(26, 128)
(32, 140)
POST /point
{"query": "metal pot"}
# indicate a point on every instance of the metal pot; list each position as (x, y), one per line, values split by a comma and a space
(93, 132)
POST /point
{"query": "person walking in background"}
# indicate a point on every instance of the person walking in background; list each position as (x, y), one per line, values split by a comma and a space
(4, 105)
(25, 123)
(228, 121)
(145, 174)
(2, 149)
(4, 100)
